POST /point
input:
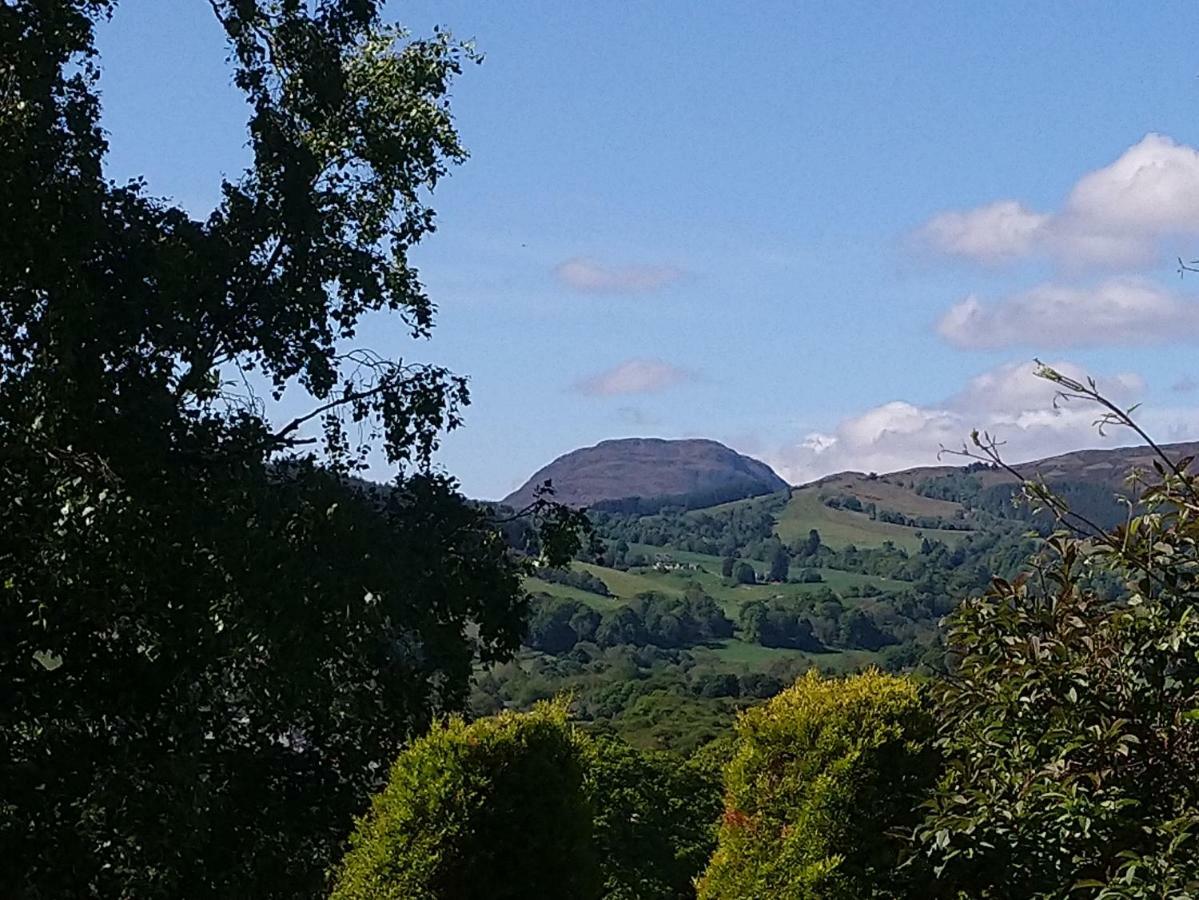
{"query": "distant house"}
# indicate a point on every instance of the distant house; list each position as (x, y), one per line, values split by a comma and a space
(664, 562)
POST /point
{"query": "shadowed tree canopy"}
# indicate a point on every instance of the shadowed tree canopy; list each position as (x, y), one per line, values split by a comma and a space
(209, 630)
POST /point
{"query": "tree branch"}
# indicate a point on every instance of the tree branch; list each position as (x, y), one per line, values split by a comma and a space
(280, 436)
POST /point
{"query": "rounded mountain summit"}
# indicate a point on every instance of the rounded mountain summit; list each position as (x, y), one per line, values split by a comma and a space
(641, 474)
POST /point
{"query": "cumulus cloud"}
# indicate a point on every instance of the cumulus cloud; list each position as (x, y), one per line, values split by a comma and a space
(1115, 216)
(1117, 311)
(590, 277)
(634, 376)
(1009, 401)
(992, 233)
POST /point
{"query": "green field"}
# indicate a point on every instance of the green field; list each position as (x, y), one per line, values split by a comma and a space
(738, 656)
(566, 592)
(627, 585)
(709, 575)
(839, 527)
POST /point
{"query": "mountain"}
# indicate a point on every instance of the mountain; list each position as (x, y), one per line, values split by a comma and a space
(642, 474)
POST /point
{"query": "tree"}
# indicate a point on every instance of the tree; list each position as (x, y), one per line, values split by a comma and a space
(780, 622)
(495, 809)
(744, 574)
(620, 626)
(726, 566)
(858, 629)
(810, 546)
(1070, 724)
(212, 637)
(821, 777)
(551, 624)
(780, 564)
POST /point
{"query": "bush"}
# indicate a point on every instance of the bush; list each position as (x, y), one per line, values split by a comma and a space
(821, 776)
(492, 810)
(1070, 728)
(655, 820)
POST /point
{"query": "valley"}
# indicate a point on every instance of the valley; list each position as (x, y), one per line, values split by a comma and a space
(679, 617)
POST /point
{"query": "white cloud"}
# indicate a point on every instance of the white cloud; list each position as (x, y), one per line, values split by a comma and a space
(634, 376)
(1117, 311)
(1115, 216)
(992, 233)
(591, 277)
(1153, 187)
(818, 442)
(1009, 401)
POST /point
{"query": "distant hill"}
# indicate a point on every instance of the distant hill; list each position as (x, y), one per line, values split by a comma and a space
(641, 474)
(949, 497)
(1107, 467)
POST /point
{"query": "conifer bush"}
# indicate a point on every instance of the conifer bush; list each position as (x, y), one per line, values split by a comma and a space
(494, 809)
(824, 779)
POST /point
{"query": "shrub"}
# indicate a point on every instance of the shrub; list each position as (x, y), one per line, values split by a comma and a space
(655, 820)
(494, 809)
(1070, 729)
(821, 777)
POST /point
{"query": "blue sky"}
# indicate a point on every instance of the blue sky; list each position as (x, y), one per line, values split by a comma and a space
(830, 235)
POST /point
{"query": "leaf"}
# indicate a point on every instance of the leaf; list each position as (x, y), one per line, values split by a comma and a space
(48, 661)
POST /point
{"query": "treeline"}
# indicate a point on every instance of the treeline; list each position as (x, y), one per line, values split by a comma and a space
(715, 532)
(813, 624)
(894, 517)
(1095, 501)
(817, 622)
(680, 503)
(676, 699)
(557, 625)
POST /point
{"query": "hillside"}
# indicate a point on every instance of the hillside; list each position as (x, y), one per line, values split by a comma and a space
(1107, 467)
(652, 469)
(688, 613)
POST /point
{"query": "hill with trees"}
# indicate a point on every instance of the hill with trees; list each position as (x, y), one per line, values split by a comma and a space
(849, 571)
(1059, 759)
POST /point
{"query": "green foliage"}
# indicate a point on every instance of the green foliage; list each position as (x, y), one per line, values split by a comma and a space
(780, 564)
(716, 531)
(212, 637)
(495, 809)
(1068, 726)
(584, 581)
(1071, 725)
(779, 623)
(743, 573)
(821, 776)
(655, 820)
(557, 625)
